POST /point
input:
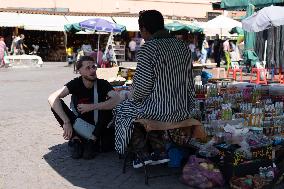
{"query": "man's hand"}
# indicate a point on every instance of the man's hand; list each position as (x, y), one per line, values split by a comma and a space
(67, 134)
(83, 108)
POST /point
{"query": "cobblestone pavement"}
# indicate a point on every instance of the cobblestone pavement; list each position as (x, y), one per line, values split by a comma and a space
(33, 153)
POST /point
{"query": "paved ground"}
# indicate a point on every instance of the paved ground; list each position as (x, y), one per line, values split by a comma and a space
(33, 153)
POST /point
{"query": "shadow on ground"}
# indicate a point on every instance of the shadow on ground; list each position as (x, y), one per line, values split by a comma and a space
(105, 171)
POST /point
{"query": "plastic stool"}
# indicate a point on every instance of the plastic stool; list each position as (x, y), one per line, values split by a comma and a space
(234, 71)
(281, 79)
(219, 73)
(258, 80)
(281, 76)
(275, 74)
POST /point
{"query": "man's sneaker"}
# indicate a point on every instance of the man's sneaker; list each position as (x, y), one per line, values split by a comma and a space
(159, 158)
(138, 162)
(75, 148)
(89, 150)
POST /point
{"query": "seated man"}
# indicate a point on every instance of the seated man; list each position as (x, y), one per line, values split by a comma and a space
(92, 100)
(163, 90)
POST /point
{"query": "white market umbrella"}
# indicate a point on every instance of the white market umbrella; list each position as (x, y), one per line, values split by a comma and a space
(221, 25)
(264, 19)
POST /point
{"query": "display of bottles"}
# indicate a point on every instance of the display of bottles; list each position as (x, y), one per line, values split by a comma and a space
(262, 172)
(212, 91)
(227, 112)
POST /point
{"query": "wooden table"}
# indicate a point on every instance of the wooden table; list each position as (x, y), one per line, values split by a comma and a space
(197, 67)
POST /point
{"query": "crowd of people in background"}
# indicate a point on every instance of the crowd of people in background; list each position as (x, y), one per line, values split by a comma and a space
(105, 56)
(216, 51)
(203, 49)
(17, 48)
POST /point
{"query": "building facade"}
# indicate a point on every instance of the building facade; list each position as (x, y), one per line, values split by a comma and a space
(195, 9)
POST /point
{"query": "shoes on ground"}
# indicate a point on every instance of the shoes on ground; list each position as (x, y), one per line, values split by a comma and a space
(89, 150)
(159, 158)
(75, 148)
(141, 160)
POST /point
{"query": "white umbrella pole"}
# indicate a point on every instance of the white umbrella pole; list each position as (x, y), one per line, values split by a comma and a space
(265, 50)
(98, 49)
(264, 56)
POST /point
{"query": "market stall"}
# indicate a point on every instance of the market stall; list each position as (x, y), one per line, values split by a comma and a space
(246, 125)
(245, 128)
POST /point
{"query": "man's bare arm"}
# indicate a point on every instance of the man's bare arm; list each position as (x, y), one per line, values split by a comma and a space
(54, 101)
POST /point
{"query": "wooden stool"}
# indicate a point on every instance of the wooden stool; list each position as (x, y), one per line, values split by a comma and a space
(258, 72)
(193, 127)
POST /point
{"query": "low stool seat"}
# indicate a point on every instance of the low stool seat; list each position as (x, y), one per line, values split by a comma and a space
(219, 73)
(234, 72)
(257, 73)
(192, 126)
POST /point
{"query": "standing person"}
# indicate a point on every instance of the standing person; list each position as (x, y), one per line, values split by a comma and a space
(217, 50)
(93, 111)
(163, 90)
(110, 56)
(3, 50)
(227, 49)
(132, 48)
(234, 54)
(192, 46)
(13, 45)
(204, 50)
(20, 45)
(70, 55)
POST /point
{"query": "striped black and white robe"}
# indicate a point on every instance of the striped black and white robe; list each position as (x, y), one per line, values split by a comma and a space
(163, 87)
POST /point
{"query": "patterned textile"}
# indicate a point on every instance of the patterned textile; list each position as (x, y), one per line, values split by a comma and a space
(163, 87)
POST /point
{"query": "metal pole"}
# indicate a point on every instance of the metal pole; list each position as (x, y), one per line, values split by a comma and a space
(98, 49)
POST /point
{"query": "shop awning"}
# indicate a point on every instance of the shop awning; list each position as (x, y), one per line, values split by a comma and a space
(242, 4)
(183, 26)
(131, 23)
(43, 22)
(72, 28)
(10, 19)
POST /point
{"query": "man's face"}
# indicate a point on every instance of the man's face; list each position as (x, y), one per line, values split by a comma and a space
(88, 70)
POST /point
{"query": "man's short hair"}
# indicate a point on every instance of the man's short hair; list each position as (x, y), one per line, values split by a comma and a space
(79, 63)
(151, 20)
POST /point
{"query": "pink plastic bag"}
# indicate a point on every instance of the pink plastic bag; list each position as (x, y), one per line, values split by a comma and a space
(195, 175)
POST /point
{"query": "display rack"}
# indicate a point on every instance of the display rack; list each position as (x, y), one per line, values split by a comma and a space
(119, 52)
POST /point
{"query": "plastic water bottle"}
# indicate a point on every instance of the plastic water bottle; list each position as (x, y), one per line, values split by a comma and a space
(261, 172)
(270, 173)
